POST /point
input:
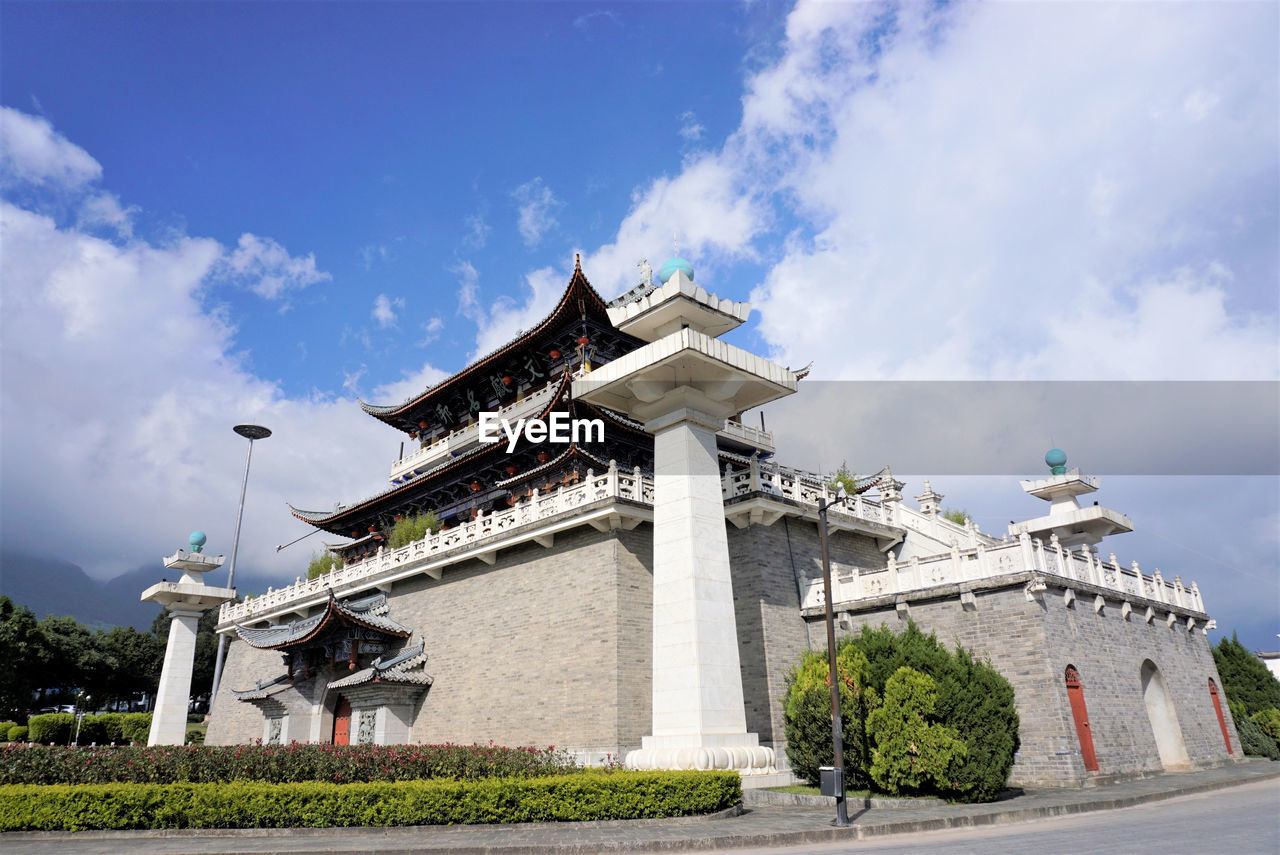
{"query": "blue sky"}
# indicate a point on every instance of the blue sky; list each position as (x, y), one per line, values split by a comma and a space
(224, 212)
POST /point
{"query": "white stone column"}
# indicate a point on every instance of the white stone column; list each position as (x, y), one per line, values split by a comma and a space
(185, 600)
(169, 720)
(698, 715)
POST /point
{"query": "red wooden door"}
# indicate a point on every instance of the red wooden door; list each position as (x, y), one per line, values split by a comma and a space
(342, 722)
(1075, 694)
(1222, 722)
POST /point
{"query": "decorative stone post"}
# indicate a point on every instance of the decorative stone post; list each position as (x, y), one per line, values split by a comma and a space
(682, 386)
(1071, 524)
(186, 600)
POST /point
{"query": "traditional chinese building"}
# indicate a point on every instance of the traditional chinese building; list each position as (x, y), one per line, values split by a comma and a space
(572, 596)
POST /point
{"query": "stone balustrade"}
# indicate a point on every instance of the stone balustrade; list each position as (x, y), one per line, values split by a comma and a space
(974, 556)
(537, 507)
(1005, 558)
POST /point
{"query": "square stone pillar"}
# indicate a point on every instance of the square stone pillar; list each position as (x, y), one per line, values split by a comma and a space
(169, 719)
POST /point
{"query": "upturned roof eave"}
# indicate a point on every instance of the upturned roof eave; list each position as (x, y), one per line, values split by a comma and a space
(578, 285)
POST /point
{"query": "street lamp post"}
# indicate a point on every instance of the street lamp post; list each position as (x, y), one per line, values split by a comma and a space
(249, 432)
(837, 726)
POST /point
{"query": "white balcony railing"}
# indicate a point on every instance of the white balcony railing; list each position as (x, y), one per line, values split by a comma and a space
(613, 483)
(1006, 558)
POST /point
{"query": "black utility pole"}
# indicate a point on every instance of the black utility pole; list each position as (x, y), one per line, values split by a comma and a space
(837, 727)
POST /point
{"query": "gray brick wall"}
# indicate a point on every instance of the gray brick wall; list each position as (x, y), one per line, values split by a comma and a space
(1031, 644)
(548, 646)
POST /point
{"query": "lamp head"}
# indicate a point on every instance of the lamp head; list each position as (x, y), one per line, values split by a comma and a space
(841, 493)
(252, 431)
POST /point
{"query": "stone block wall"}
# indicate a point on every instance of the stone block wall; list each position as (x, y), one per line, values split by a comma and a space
(1032, 642)
(548, 646)
(770, 565)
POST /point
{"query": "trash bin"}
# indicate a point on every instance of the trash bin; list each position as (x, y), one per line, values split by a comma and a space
(831, 781)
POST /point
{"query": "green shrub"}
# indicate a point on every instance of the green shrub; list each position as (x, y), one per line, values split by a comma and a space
(51, 728)
(807, 714)
(163, 764)
(912, 750)
(1255, 741)
(4, 729)
(974, 700)
(195, 718)
(195, 735)
(17, 733)
(582, 796)
(1268, 720)
(409, 529)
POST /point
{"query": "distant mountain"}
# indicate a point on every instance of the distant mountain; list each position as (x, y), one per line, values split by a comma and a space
(51, 586)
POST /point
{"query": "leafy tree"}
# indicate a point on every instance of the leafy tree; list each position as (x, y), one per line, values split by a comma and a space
(807, 714)
(23, 658)
(408, 529)
(1245, 679)
(133, 661)
(844, 477)
(74, 657)
(321, 564)
(959, 516)
(912, 750)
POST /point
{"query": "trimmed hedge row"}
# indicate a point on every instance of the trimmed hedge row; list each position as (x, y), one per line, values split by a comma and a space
(595, 795)
(168, 764)
(104, 728)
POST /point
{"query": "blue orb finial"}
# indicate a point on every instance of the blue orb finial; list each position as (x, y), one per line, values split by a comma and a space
(1056, 460)
(197, 541)
(670, 267)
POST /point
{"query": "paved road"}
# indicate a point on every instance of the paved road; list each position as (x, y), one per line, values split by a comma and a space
(1241, 821)
(1235, 813)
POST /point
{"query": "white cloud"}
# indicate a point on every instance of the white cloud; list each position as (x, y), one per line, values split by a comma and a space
(410, 385)
(373, 252)
(431, 330)
(31, 151)
(1044, 190)
(265, 267)
(120, 385)
(506, 316)
(707, 207)
(468, 290)
(537, 207)
(385, 308)
(583, 22)
(477, 232)
(690, 130)
(103, 210)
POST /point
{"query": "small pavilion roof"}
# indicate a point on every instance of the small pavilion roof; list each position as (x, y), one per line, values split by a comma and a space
(578, 297)
(400, 668)
(369, 613)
